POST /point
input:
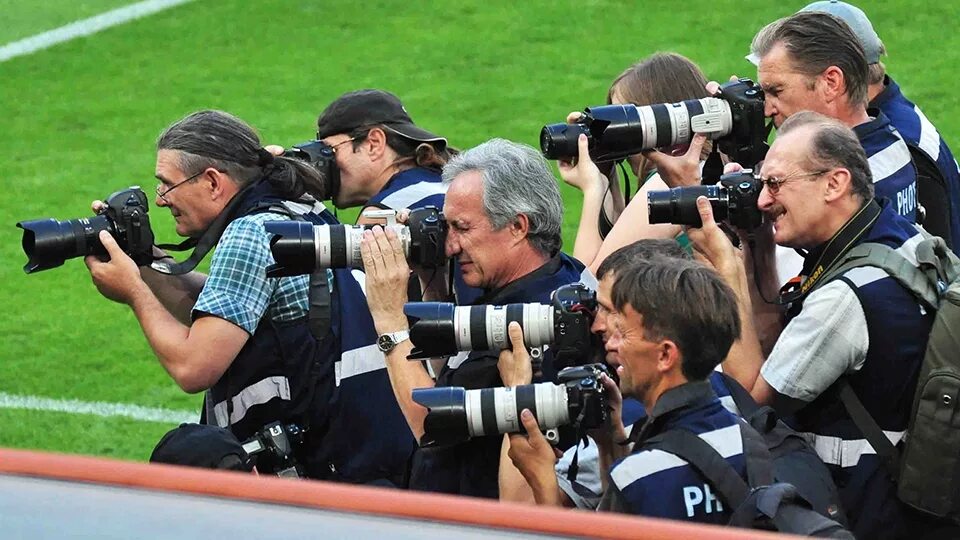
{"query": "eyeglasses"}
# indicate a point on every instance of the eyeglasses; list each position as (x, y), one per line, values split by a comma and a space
(162, 193)
(773, 183)
(341, 143)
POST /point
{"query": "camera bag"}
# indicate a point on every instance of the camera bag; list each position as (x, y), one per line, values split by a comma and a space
(927, 468)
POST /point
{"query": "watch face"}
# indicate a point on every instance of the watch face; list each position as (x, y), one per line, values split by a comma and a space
(385, 342)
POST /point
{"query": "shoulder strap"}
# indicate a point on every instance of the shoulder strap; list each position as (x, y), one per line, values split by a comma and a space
(741, 398)
(886, 451)
(922, 282)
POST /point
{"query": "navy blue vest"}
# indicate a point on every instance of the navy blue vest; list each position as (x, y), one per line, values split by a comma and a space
(894, 175)
(658, 484)
(897, 331)
(339, 387)
(471, 468)
(920, 133)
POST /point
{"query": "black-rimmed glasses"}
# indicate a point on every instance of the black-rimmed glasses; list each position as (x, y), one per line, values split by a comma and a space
(773, 183)
(162, 193)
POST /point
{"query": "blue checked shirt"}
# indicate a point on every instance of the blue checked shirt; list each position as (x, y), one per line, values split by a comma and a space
(238, 290)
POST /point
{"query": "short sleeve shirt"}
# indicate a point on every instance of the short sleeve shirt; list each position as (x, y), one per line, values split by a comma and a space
(238, 289)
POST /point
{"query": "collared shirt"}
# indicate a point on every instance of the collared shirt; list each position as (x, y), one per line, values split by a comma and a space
(237, 288)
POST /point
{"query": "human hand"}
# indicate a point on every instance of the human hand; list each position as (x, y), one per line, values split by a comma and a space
(711, 245)
(274, 149)
(613, 429)
(97, 206)
(533, 456)
(582, 174)
(713, 87)
(514, 363)
(387, 274)
(679, 169)
(117, 278)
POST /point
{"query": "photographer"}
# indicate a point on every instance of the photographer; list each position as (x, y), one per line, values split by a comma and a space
(385, 160)
(863, 327)
(504, 211)
(659, 78)
(250, 343)
(665, 351)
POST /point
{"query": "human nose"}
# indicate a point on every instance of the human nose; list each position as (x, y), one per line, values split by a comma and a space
(769, 107)
(452, 244)
(765, 200)
(160, 201)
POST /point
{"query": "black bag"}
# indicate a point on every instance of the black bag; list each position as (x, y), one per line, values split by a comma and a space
(795, 461)
(761, 504)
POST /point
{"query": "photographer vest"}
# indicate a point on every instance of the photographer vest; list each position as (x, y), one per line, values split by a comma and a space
(314, 372)
(894, 175)
(897, 335)
(942, 190)
(471, 468)
(412, 188)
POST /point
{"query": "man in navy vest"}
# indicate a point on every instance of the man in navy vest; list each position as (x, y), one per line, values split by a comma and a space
(504, 210)
(245, 338)
(862, 327)
(935, 160)
(673, 322)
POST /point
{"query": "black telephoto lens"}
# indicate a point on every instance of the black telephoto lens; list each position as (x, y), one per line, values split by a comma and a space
(679, 205)
(447, 420)
(48, 242)
(559, 141)
(432, 329)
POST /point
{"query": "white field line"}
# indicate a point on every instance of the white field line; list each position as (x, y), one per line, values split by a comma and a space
(84, 27)
(97, 408)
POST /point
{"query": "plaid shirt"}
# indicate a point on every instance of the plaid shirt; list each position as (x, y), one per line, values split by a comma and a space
(238, 290)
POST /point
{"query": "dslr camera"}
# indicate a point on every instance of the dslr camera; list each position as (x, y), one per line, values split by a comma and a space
(734, 200)
(733, 117)
(273, 447)
(456, 415)
(300, 247)
(444, 329)
(48, 242)
(322, 157)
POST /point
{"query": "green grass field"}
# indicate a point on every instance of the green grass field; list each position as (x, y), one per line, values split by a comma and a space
(80, 120)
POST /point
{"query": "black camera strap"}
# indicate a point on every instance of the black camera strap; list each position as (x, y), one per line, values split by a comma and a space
(841, 242)
(202, 245)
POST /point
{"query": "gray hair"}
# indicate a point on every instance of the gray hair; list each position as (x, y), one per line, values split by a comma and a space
(834, 145)
(516, 180)
(816, 41)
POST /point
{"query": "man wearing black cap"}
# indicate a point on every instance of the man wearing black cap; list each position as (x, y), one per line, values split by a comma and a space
(385, 160)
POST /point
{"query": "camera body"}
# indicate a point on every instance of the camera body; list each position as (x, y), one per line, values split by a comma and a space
(300, 247)
(274, 447)
(48, 242)
(734, 201)
(456, 415)
(733, 117)
(322, 157)
(444, 329)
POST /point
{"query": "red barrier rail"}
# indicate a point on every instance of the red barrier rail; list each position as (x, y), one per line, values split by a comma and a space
(358, 499)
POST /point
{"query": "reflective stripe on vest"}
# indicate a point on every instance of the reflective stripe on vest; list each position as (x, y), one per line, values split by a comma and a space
(359, 361)
(256, 394)
(846, 453)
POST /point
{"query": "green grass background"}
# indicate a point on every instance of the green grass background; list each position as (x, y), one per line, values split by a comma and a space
(80, 120)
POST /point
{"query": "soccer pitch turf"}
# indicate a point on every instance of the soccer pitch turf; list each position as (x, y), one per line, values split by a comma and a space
(81, 119)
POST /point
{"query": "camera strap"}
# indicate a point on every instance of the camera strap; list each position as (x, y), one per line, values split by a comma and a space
(841, 242)
(202, 245)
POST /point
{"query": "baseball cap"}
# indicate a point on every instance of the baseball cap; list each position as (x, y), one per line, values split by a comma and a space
(855, 18)
(371, 108)
(201, 445)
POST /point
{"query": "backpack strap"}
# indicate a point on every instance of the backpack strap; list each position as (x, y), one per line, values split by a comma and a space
(706, 460)
(886, 451)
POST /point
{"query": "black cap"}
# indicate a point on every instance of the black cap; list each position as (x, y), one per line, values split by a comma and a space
(372, 108)
(201, 445)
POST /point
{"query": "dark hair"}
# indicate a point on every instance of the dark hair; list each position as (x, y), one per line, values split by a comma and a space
(421, 154)
(834, 145)
(685, 302)
(219, 140)
(816, 41)
(645, 248)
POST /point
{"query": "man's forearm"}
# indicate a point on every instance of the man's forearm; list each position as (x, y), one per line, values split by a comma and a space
(745, 358)
(178, 294)
(405, 377)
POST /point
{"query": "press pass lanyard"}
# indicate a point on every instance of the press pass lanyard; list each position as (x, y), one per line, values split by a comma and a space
(842, 241)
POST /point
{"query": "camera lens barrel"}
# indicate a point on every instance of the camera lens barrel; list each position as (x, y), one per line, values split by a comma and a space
(483, 328)
(48, 242)
(559, 141)
(679, 205)
(300, 247)
(456, 414)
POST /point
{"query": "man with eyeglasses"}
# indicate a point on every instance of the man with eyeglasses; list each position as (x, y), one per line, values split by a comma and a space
(294, 349)
(861, 327)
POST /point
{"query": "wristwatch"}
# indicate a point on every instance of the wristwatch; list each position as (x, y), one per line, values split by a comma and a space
(386, 342)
